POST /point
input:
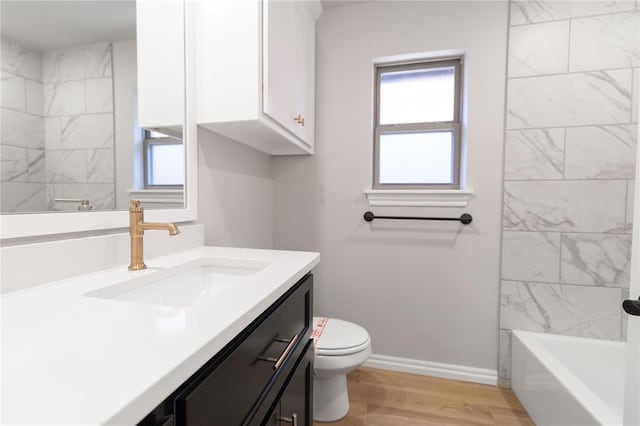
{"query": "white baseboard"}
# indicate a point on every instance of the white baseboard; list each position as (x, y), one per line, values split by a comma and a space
(436, 369)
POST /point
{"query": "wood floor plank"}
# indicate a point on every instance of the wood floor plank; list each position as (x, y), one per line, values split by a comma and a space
(387, 398)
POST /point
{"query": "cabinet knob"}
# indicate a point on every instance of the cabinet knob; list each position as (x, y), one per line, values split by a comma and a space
(293, 419)
(299, 119)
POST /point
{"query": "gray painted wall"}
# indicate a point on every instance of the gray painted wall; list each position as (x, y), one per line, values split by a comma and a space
(235, 193)
(424, 291)
(569, 169)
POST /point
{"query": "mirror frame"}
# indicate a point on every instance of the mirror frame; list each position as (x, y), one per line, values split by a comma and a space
(43, 224)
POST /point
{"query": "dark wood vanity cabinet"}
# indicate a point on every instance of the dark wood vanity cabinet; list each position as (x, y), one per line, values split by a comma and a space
(264, 376)
(295, 402)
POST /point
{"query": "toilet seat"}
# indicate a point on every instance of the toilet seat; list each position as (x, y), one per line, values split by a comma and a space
(338, 337)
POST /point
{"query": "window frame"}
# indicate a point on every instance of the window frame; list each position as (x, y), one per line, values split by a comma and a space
(147, 142)
(455, 126)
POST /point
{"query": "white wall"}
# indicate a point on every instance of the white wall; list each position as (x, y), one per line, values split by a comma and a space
(424, 291)
(235, 199)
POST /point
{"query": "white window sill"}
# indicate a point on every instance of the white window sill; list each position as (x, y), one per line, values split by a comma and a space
(158, 197)
(419, 197)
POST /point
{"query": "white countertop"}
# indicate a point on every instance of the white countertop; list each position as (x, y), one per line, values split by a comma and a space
(68, 358)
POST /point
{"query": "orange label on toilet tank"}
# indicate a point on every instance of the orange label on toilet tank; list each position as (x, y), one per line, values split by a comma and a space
(318, 329)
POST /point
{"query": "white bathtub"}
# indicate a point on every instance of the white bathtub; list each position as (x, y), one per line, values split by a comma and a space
(564, 380)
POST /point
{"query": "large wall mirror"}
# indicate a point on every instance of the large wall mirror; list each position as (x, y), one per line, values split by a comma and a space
(93, 108)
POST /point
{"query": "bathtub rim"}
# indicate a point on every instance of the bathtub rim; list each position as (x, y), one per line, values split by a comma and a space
(589, 400)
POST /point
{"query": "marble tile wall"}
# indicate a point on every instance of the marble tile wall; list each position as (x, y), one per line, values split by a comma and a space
(22, 155)
(571, 126)
(79, 125)
(57, 136)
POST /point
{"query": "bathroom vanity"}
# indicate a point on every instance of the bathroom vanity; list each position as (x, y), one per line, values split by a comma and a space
(264, 375)
(210, 335)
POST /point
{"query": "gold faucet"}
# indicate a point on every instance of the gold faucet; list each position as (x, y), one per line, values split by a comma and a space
(137, 226)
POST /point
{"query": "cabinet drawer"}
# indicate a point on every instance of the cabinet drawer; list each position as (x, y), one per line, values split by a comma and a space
(231, 393)
(293, 397)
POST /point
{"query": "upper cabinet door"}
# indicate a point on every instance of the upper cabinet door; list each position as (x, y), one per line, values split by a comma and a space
(303, 88)
(279, 62)
(256, 72)
(160, 64)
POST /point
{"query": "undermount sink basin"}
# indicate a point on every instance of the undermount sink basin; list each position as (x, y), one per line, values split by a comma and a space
(183, 285)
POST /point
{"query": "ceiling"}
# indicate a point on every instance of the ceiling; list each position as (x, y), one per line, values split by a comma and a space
(48, 25)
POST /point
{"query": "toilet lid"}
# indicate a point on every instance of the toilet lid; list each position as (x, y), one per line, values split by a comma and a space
(337, 337)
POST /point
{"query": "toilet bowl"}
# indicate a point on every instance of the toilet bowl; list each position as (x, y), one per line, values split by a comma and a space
(340, 347)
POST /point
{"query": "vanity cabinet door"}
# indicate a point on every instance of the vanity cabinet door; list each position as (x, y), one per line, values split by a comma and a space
(298, 396)
(273, 419)
(292, 396)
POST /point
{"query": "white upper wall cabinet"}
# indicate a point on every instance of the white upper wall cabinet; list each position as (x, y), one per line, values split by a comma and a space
(161, 64)
(256, 72)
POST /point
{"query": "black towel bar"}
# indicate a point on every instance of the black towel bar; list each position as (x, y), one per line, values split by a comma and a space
(465, 218)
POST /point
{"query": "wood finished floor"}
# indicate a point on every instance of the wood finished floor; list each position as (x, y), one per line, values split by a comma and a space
(386, 398)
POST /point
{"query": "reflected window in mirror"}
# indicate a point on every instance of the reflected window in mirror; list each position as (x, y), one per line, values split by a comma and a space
(163, 160)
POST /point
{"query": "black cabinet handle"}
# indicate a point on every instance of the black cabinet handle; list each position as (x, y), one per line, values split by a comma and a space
(632, 307)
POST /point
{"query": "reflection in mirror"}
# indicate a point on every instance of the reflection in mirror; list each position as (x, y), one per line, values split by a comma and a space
(70, 136)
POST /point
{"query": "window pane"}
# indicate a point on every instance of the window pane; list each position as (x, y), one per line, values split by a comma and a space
(416, 158)
(417, 96)
(166, 164)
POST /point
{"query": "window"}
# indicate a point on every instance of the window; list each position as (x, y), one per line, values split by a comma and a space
(417, 127)
(163, 160)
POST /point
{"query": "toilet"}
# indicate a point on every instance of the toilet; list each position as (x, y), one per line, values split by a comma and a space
(340, 347)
